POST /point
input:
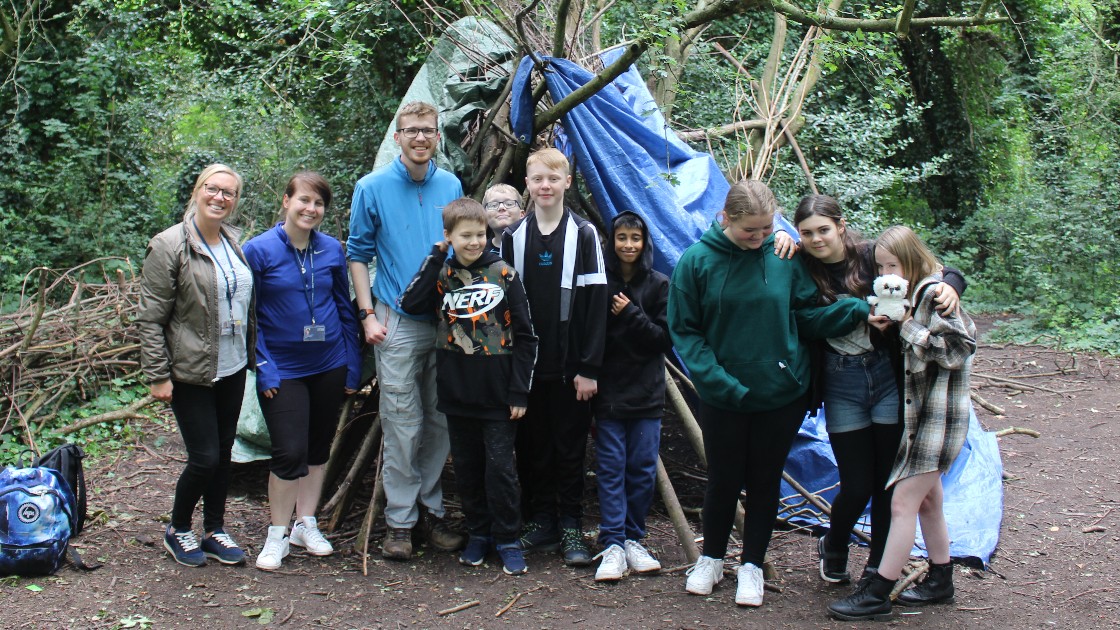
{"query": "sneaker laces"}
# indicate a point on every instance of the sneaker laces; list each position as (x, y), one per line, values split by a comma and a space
(187, 540)
(312, 535)
(224, 540)
(607, 552)
(273, 546)
(571, 538)
(703, 567)
(637, 549)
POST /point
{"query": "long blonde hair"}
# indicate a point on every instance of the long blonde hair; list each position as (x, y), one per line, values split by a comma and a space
(916, 260)
(207, 173)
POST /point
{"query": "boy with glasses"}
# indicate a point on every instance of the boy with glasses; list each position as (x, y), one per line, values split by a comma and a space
(503, 209)
(395, 216)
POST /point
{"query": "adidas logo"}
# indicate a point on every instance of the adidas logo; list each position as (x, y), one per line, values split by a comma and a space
(546, 259)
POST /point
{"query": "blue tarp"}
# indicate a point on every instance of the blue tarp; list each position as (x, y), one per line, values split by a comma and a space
(629, 157)
(973, 486)
(631, 160)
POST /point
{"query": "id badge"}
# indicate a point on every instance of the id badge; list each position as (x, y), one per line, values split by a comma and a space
(315, 332)
(233, 327)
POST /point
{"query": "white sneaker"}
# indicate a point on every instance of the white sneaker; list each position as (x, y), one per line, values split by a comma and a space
(639, 559)
(706, 573)
(749, 590)
(306, 534)
(613, 566)
(275, 549)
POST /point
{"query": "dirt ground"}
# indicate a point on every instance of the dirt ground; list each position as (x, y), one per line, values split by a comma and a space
(1056, 565)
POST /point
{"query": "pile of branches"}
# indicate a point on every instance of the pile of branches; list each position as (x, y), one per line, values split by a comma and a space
(69, 337)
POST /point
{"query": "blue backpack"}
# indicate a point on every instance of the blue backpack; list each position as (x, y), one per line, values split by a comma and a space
(36, 520)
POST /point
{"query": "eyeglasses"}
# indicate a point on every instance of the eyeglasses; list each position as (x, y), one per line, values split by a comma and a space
(508, 204)
(412, 132)
(214, 191)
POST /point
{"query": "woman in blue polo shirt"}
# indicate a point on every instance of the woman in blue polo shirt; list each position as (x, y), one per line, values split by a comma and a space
(307, 359)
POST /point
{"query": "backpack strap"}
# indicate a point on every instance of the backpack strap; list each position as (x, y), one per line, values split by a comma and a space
(76, 559)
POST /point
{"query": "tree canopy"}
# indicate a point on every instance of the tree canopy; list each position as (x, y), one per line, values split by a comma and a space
(991, 127)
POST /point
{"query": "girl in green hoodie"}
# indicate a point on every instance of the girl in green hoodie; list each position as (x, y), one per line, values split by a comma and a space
(737, 316)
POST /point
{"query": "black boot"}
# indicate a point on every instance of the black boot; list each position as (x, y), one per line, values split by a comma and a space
(871, 600)
(937, 588)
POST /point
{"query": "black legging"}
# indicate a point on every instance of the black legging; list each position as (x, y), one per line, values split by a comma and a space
(302, 417)
(745, 450)
(865, 458)
(207, 418)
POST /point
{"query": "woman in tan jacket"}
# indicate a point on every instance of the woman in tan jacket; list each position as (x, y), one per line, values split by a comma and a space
(197, 331)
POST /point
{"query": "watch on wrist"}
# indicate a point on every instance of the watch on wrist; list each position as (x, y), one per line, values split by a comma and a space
(363, 313)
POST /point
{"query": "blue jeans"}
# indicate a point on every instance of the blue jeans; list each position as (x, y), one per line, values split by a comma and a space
(858, 391)
(627, 453)
(416, 442)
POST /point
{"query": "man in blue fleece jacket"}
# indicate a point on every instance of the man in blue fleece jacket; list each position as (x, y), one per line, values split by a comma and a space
(395, 216)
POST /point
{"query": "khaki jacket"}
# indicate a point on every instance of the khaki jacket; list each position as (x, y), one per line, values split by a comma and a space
(178, 317)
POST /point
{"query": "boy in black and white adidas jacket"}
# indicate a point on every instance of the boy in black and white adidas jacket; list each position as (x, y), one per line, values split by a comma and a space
(561, 263)
(486, 349)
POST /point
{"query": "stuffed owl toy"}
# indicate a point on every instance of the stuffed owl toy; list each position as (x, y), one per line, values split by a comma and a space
(890, 296)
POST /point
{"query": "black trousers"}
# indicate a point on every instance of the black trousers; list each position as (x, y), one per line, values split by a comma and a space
(745, 450)
(551, 445)
(482, 452)
(302, 417)
(864, 458)
(207, 419)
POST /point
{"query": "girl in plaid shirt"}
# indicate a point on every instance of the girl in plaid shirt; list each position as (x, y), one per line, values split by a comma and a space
(937, 358)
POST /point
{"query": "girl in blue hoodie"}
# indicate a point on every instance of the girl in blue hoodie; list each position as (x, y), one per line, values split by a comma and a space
(737, 315)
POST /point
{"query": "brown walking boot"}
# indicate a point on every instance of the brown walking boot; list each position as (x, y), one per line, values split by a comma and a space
(397, 544)
(439, 534)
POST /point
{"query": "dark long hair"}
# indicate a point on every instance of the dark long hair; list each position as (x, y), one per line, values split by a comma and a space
(854, 260)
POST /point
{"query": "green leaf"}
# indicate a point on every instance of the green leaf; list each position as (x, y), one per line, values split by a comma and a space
(34, 588)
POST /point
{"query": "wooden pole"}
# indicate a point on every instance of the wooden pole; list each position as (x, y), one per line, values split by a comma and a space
(676, 514)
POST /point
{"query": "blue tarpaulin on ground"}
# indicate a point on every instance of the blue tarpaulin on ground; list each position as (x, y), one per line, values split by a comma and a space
(631, 160)
(973, 486)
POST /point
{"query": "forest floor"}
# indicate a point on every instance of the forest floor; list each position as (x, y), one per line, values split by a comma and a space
(1057, 564)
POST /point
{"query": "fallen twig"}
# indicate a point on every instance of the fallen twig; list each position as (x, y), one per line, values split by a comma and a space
(979, 400)
(460, 607)
(1092, 590)
(1018, 430)
(509, 605)
(129, 412)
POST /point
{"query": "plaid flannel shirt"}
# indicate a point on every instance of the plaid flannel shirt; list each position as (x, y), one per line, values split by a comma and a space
(937, 359)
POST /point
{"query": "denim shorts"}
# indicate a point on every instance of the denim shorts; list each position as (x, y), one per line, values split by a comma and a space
(858, 391)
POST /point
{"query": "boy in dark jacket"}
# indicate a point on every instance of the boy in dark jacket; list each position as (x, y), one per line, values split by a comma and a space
(486, 349)
(557, 254)
(628, 407)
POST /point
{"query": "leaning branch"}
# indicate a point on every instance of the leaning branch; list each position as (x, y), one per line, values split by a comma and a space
(589, 89)
(128, 413)
(887, 25)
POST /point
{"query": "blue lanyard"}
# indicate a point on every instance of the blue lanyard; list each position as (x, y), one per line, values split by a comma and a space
(230, 291)
(308, 292)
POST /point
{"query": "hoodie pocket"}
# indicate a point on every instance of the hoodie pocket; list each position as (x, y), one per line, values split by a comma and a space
(769, 380)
